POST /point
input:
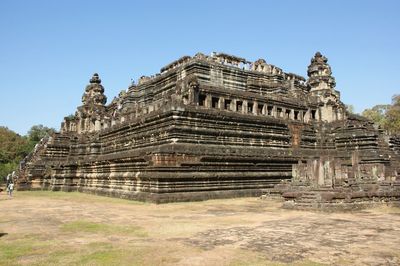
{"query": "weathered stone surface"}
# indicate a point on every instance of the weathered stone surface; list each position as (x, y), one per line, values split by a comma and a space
(213, 126)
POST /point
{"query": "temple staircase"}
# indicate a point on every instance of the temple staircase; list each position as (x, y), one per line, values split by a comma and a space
(31, 167)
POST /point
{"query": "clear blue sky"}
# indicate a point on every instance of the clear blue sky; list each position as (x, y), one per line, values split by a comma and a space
(50, 49)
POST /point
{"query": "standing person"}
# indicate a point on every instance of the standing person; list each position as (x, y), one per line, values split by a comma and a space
(14, 177)
(10, 189)
(8, 178)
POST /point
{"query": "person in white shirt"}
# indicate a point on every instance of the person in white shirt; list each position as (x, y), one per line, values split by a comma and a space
(10, 189)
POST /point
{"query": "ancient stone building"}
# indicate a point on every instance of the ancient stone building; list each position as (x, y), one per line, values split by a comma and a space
(212, 126)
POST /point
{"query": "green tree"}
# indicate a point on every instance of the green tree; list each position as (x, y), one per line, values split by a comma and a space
(350, 108)
(377, 114)
(13, 148)
(37, 132)
(386, 116)
(393, 116)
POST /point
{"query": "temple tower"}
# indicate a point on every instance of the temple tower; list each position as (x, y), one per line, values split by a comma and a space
(322, 85)
(94, 93)
(90, 115)
(93, 107)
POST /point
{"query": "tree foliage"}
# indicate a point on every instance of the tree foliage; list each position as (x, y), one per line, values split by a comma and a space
(350, 108)
(377, 114)
(37, 132)
(13, 147)
(386, 116)
(393, 116)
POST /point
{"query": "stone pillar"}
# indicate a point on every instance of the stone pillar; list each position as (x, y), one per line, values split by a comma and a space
(97, 125)
(191, 99)
(221, 103)
(321, 175)
(233, 105)
(244, 107)
(291, 115)
(307, 116)
(208, 102)
(274, 112)
(86, 125)
(255, 108)
(264, 109)
(105, 124)
(328, 172)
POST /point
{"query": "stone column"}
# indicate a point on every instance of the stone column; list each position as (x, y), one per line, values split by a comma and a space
(244, 107)
(233, 105)
(221, 103)
(321, 176)
(97, 125)
(105, 124)
(255, 108)
(291, 114)
(302, 116)
(307, 116)
(328, 173)
(274, 112)
(208, 102)
(86, 125)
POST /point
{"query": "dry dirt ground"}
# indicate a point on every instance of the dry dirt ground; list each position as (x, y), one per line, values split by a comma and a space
(57, 228)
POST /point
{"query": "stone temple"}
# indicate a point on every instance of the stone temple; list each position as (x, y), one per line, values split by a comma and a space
(219, 126)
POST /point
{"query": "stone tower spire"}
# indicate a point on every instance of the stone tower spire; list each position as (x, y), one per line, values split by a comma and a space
(322, 84)
(94, 92)
(320, 74)
(91, 115)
